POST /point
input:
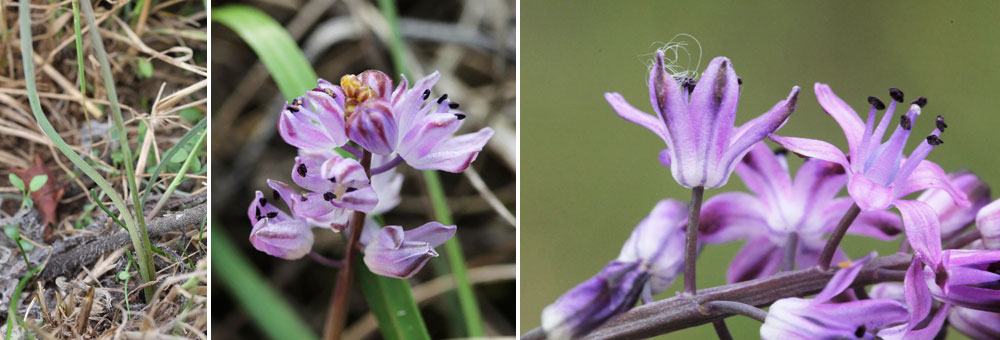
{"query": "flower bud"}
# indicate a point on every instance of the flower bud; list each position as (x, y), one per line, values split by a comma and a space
(396, 253)
(585, 307)
(988, 222)
(373, 127)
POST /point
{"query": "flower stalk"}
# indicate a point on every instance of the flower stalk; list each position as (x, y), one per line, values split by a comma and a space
(691, 241)
(339, 304)
(838, 234)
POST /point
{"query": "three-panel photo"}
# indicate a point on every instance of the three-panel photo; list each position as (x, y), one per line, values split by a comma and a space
(499, 169)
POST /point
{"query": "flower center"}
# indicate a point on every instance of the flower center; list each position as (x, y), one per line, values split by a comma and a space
(355, 91)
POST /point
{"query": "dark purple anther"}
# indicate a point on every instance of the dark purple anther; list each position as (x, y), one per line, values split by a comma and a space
(876, 103)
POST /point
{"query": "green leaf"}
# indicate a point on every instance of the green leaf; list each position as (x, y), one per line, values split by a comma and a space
(37, 182)
(12, 232)
(144, 68)
(198, 128)
(17, 182)
(253, 293)
(274, 46)
(392, 303)
(191, 114)
(179, 157)
(26, 246)
(124, 275)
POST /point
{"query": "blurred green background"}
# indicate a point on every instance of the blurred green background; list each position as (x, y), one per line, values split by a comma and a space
(588, 176)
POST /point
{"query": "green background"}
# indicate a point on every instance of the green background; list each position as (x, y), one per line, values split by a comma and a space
(588, 176)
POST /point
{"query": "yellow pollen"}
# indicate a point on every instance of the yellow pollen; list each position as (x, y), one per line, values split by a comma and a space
(355, 91)
(844, 264)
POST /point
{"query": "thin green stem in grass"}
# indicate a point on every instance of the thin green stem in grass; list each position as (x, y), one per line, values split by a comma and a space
(180, 175)
(46, 126)
(12, 306)
(81, 76)
(155, 175)
(453, 250)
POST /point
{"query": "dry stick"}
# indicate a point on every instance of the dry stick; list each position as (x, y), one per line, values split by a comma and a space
(71, 260)
(682, 312)
(838, 234)
(337, 316)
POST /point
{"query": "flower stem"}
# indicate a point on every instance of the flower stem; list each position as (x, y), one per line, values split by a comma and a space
(691, 240)
(963, 240)
(791, 248)
(338, 306)
(325, 261)
(838, 234)
(387, 166)
(739, 308)
(722, 330)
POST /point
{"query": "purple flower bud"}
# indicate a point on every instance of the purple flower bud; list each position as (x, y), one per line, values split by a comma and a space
(967, 278)
(879, 173)
(393, 252)
(585, 307)
(977, 324)
(276, 233)
(818, 318)
(703, 146)
(988, 222)
(657, 243)
(377, 81)
(374, 127)
(956, 217)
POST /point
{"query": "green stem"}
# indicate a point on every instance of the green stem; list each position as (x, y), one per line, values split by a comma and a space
(180, 174)
(12, 306)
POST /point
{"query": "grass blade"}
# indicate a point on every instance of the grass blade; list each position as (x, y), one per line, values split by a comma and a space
(43, 122)
(392, 303)
(273, 45)
(170, 154)
(453, 250)
(272, 315)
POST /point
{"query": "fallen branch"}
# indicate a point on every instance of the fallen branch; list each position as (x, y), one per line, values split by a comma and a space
(682, 312)
(69, 261)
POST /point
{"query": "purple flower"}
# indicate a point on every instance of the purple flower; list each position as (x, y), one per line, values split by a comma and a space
(336, 187)
(954, 218)
(276, 233)
(967, 278)
(696, 122)
(393, 252)
(922, 325)
(988, 222)
(316, 120)
(592, 303)
(781, 206)
(648, 263)
(818, 318)
(976, 324)
(878, 173)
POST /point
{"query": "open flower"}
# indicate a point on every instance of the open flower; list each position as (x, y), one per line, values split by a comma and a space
(988, 222)
(780, 208)
(696, 122)
(922, 325)
(648, 263)
(967, 278)
(879, 176)
(954, 217)
(819, 318)
(336, 187)
(393, 252)
(275, 232)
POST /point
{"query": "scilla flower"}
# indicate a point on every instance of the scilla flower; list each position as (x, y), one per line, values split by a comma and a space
(394, 252)
(820, 318)
(976, 324)
(696, 122)
(781, 207)
(276, 233)
(967, 278)
(648, 263)
(988, 222)
(954, 217)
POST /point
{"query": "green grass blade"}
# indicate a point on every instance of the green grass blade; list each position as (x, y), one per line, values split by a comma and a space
(274, 46)
(272, 315)
(453, 250)
(392, 303)
(198, 128)
(50, 131)
(12, 306)
(179, 178)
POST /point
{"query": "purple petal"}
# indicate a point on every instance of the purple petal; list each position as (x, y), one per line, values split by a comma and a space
(433, 233)
(764, 174)
(378, 81)
(758, 258)
(312, 205)
(329, 113)
(713, 102)
(976, 324)
(842, 279)
(868, 195)
(427, 133)
(879, 224)
(630, 113)
(390, 254)
(307, 174)
(670, 105)
(290, 239)
(930, 175)
(923, 230)
(409, 108)
(363, 199)
(818, 181)
(916, 293)
(592, 303)
(658, 243)
(731, 216)
(954, 217)
(843, 114)
(373, 126)
(988, 222)
(298, 130)
(284, 192)
(795, 318)
(812, 148)
(755, 131)
(454, 154)
(345, 171)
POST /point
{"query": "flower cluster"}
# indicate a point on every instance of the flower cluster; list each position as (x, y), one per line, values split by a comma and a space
(796, 219)
(350, 138)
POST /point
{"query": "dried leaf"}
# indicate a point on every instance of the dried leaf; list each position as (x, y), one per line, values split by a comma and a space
(47, 197)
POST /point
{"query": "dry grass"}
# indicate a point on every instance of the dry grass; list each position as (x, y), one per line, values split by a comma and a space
(92, 301)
